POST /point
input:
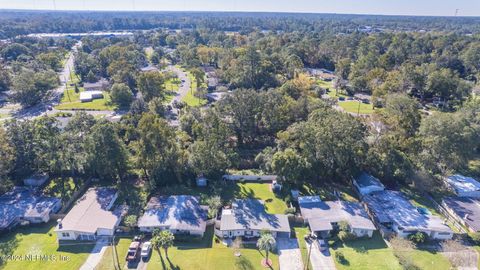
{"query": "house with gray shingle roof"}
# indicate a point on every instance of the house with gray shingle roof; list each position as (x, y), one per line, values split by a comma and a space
(366, 183)
(248, 218)
(464, 186)
(323, 217)
(180, 214)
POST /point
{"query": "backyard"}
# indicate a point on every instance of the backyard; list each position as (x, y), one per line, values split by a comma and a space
(71, 99)
(41, 240)
(206, 254)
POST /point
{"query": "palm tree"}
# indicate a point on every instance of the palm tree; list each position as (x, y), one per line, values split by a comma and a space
(162, 239)
(267, 243)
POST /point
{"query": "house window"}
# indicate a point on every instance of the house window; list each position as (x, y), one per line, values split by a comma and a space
(65, 234)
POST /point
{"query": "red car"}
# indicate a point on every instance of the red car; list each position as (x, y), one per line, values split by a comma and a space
(133, 251)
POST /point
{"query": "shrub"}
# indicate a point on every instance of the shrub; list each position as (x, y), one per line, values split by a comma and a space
(345, 236)
(418, 237)
(344, 226)
(339, 257)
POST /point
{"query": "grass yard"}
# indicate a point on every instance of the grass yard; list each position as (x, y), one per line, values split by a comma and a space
(300, 232)
(326, 85)
(41, 240)
(171, 87)
(190, 99)
(351, 106)
(71, 100)
(109, 260)
(205, 254)
(366, 254)
(428, 260)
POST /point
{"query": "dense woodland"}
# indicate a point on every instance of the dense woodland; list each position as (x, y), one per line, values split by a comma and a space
(274, 119)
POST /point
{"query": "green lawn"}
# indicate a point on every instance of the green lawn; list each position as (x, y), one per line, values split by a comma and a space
(300, 232)
(352, 106)
(171, 86)
(428, 260)
(41, 240)
(71, 99)
(367, 254)
(205, 254)
(325, 84)
(110, 259)
(274, 203)
(190, 99)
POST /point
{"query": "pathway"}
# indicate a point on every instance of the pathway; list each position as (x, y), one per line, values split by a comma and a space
(321, 260)
(290, 257)
(96, 254)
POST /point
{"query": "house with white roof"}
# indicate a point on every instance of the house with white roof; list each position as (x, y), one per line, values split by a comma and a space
(248, 218)
(464, 186)
(324, 217)
(391, 210)
(88, 96)
(90, 217)
(181, 214)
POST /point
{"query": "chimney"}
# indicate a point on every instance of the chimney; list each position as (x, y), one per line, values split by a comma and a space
(59, 221)
(465, 217)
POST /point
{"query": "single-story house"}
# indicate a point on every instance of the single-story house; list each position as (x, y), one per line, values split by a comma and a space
(99, 85)
(87, 96)
(465, 210)
(366, 184)
(216, 96)
(90, 216)
(181, 214)
(464, 186)
(35, 180)
(323, 217)
(24, 204)
(393, 211)
(248, 218)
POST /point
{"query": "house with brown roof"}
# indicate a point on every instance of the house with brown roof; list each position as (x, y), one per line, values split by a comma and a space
(90, 217)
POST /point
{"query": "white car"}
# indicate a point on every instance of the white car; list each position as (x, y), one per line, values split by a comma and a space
(321, 244)
(146, 248)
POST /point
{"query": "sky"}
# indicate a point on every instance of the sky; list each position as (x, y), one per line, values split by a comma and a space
(384, 7)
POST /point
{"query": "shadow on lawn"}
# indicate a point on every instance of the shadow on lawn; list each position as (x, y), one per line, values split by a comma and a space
(7, 245)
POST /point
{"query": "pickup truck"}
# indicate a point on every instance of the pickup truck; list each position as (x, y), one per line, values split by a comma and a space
(133, 251)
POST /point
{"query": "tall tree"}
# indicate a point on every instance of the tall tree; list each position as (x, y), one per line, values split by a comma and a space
(267, 243)
(150, 85)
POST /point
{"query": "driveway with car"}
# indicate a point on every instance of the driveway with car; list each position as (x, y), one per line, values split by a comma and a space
(321, 260)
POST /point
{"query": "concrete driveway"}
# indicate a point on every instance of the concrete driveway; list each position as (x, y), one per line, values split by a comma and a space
(321, 260)
(96, 254)
(290, 257)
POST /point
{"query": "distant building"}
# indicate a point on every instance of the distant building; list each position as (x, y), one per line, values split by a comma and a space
(216, 96)
(464, 210)
(180, 214)
(392, 211)
(25, 205)
(149, 68)
(366, 184)
(88, 96)
(323, 217)
(252, 178)
(321, 73)
(201, 181)
(464, 186)
(90, 217)
(99, 85)
(248, 218)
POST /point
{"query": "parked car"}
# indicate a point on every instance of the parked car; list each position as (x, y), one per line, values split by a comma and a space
(146, 248)
(133, 251)
(49, 107)
(322, 245)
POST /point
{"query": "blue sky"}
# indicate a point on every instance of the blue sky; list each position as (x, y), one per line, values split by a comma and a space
(387, 7)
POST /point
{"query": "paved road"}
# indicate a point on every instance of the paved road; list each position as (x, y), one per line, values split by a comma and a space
(320, 260)
(181, 93)
(290, 257)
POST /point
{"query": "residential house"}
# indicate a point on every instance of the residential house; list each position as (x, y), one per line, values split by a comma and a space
(149, 68)
(88, 96)
(252, 178)
(180, 214)
(323, 217)
(393, 212)
(99, 85)
(201, 181)
(464, 210)
(248, 218)
(366, 184)
(90, 217)
(464, 186)
(26, 205)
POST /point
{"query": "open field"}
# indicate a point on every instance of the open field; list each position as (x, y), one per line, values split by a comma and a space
(41, 240)
(354, 106)
(190, 99)
(205, 254)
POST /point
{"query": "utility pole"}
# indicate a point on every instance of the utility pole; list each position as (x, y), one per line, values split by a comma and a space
(308, 256)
